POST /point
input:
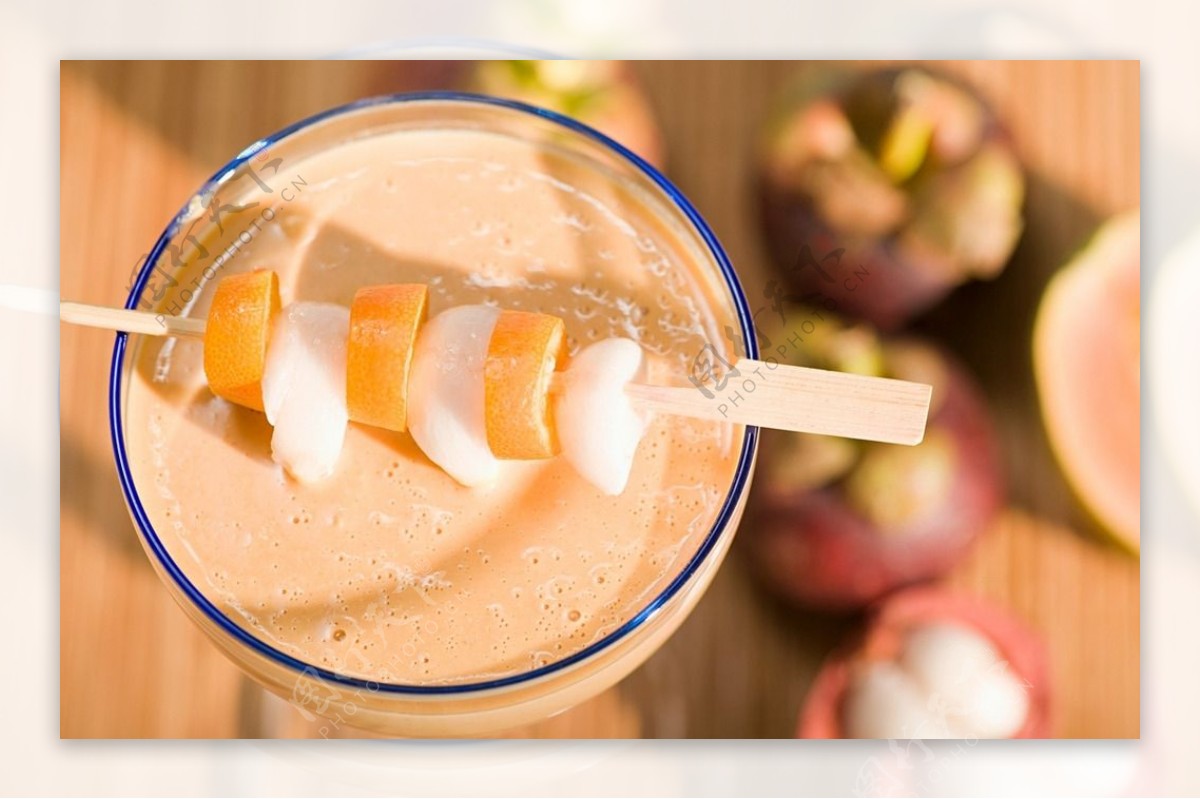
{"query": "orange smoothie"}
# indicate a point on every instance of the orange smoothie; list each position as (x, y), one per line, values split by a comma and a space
(389, 570)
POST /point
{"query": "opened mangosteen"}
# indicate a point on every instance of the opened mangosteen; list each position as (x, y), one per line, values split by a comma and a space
(933, 664)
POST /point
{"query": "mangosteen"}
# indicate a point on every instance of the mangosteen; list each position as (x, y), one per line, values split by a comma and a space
(835, 523)
(906, 172)
(933, 664)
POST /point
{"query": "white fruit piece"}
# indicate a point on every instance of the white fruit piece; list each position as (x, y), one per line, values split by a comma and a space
(966, 680)
(598, 426)
(946, 658)
(884, 702)
(996, 708)
(446, 393)
(948, 682)
(304, 388)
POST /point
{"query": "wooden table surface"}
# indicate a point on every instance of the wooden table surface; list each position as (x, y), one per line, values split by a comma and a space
(138, 138)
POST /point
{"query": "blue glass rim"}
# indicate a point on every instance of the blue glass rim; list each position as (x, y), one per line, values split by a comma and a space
(229, 627)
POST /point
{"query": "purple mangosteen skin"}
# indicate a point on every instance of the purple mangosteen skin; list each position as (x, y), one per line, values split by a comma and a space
(814, 548)
(872, 279)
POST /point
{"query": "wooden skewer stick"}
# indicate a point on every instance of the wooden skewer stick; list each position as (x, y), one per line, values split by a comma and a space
(803, 400)
(778, 396)
(127, 321)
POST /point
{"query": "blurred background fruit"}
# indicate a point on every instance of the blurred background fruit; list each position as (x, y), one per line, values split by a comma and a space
(933, 664)
(905, 169)
(1087, 359)
(606, 95)
(836, 523)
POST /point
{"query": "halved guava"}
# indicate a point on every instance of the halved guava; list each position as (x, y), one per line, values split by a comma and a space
(1086, 356)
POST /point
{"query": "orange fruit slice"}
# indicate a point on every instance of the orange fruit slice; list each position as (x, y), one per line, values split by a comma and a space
(236, 335)
(384, 322)
(523, 353)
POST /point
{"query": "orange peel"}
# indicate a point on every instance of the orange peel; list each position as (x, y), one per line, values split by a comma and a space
(523, 353)
(384, 324)
(237, 333)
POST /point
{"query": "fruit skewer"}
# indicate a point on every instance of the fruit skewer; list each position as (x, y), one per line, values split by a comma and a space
(524, 353)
